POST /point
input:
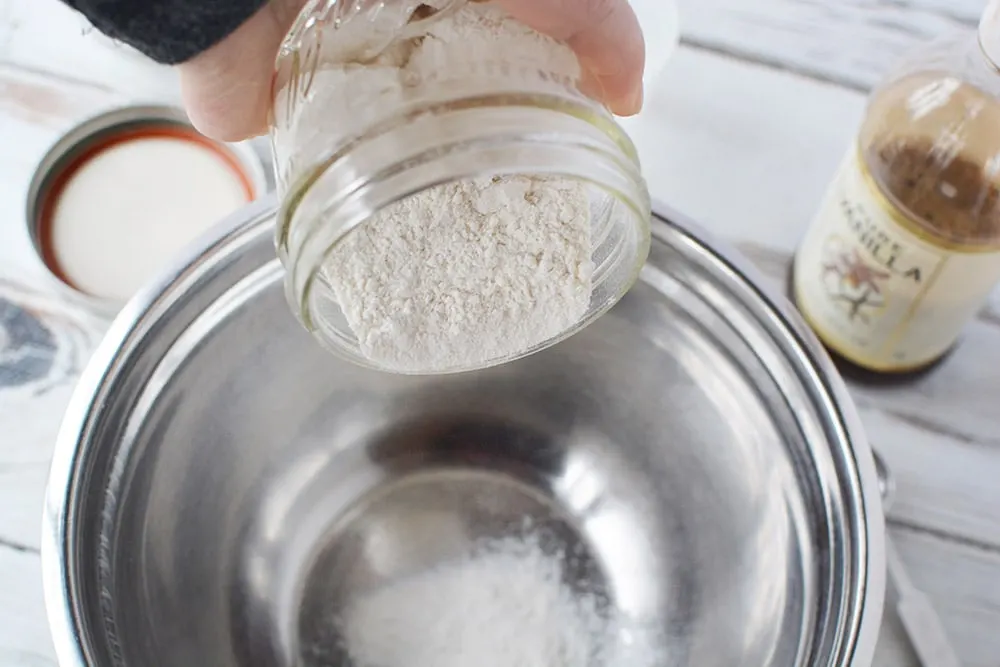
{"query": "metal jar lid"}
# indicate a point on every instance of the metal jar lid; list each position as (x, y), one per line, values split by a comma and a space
(85, 141)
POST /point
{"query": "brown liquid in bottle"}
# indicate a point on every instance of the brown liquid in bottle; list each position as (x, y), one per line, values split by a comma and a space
(930, 143)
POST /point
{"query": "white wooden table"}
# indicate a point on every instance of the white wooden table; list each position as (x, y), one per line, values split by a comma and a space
(741, 132)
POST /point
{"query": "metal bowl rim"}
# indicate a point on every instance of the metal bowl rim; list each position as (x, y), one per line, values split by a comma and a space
(148, 304)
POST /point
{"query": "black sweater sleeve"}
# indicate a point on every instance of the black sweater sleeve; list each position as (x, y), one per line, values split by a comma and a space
(168, 31)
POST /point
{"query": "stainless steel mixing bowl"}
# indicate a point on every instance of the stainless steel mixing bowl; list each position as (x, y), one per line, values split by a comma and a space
(222, 486)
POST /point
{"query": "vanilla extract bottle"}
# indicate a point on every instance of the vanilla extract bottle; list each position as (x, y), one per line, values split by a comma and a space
(905, 247)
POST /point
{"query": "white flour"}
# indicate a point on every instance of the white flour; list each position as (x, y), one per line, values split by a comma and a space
(466, 272)
(506, 607)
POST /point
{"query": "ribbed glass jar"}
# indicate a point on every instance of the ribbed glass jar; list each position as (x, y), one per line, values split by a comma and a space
(389, 117)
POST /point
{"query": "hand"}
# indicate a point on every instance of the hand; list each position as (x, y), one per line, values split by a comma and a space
(227, 89)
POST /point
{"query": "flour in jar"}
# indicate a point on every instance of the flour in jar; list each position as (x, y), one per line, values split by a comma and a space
(468, 272)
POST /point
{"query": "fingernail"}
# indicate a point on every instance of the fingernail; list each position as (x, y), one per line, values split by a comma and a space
(637, 99)
(629, 106)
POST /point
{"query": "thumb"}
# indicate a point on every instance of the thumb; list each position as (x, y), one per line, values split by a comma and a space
(227, 88)
(606, 37)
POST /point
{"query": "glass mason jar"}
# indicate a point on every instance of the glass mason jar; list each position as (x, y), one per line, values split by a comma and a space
(385, 113)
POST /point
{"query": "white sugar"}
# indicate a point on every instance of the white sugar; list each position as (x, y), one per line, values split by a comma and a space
(508, 606)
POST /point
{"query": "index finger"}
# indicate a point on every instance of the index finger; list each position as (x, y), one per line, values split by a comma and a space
(606, 37)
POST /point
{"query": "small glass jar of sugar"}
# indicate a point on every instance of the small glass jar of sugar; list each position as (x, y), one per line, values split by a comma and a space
(451, 199)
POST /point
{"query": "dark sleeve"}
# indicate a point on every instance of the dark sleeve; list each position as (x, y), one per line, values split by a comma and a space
(168, 31)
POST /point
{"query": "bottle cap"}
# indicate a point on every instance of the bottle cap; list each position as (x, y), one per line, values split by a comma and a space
(989, 32)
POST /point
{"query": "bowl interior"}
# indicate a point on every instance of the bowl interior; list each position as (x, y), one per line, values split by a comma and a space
(246, 488)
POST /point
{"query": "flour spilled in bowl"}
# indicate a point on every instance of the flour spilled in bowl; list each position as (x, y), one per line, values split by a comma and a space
(506, 606)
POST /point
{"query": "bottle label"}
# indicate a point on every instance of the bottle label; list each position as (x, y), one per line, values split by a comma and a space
(878, 291)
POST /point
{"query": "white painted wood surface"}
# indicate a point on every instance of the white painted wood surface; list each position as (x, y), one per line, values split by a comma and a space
(742, 132)
(851, 42)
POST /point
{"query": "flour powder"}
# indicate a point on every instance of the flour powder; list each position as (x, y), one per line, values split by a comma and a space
(471, 271)
(467, 272)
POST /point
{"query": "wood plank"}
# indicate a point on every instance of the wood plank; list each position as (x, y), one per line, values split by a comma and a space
(963, 585)
(772, 143)
(961, 582)
(44, 344)
(751, 164)
(745, 150)
(45, 338)
(801, 35)
(893, 648)
(738, 165)
(24, 635)
(946, 479)
(851, 42)
(48, 36)
(955, 401)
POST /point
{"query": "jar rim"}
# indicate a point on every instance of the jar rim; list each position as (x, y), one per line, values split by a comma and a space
(593, 150)
(330, 208)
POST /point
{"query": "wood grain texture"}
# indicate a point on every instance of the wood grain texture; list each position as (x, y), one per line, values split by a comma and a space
(45, 335)
(47, 36)
(44, 344)
(851, 42)
(746, 150)
(946, 478)
(753, 163)
(24, 635)
(751, 167)
(963, 585)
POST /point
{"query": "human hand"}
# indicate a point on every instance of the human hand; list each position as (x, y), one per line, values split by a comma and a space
(227, 89)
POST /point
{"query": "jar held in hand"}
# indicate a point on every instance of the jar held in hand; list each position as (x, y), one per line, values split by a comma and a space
(451, 200)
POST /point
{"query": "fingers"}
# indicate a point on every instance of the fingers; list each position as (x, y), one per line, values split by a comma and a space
(606, 37)
(227, 89)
